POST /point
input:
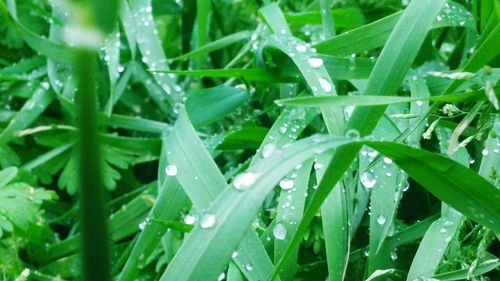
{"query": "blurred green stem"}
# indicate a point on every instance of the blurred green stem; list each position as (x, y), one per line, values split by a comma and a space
(95, 248)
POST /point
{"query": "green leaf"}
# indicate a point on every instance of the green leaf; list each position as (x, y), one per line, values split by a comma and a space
(213, 104)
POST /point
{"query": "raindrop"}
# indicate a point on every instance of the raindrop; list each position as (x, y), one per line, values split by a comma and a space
(301, 48)
(208, 220)
(279, 231)
(442, 230)
(268, 149)
(249, 266)
(286, 184)
(245, 180)
(45, 85)
(325, 84)
(368, 180)
(189, 219)
(448, 223)
(315, 62)
(221, 277)
(352, 134)
(419, 103)
(485, 152)
(394, 255)
(171, 170)
(387, 160)
(352, 62)
(234, 254)
(177, 107)
(381, 219)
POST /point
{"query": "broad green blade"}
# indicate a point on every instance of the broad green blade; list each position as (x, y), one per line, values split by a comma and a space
(222, 100)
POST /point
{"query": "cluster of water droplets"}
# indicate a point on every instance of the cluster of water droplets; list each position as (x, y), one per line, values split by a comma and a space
(454, 14)
(151, 50)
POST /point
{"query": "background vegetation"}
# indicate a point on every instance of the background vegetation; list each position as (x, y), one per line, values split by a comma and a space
(249, 140)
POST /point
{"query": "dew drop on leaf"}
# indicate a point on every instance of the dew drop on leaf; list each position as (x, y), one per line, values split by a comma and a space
(352, 134)
(286, 184)
(171, 170)
(368, 180)
(301, 48)
(189, 219)
(208, 220)
(315, 62)
(381, 219)
(325, 84)
(249, 266)
(279, 231)
(268, 149)
(245, 180)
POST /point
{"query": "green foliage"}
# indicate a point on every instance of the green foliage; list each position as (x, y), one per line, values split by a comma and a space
(249, 140)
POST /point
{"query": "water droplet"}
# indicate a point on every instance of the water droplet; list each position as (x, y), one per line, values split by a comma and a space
(301, 48)
(189, 219)
(120, 68)
(142, 225)
(352, 134)
(439, 18)
(234, 254)
(394, 255)
(448, 223)
(419, 103)
(221, 277)
(381, 219)
(368, 180)
(315, 62)
(485, 152)
(249, 266)
(268, 149)
(442, 230)
(245, 180)
(286, 184)
(387, 160)
(45, 85)
(325, 84)
(171, 170)
(208, 220)
(279, 231)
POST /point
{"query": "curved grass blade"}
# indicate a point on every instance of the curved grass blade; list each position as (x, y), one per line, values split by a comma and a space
(376, 34)
(216, 45)
(372, 100)
(150, 46)
(30, 111)
(290, 208)
(221, 100)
